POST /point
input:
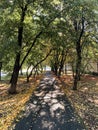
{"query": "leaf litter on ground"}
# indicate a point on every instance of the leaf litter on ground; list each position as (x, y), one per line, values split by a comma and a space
(11, 105)
(85, 99)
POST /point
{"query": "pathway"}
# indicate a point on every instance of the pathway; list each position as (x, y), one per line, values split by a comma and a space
(49, 109)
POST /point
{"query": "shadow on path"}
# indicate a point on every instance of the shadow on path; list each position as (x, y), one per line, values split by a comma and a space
(49, 109)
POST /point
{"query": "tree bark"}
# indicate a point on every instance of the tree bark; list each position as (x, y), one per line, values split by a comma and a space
(16, 68)
(78, 66)
(0, 70)
(14, 77)
(63, 58)
(79, 57)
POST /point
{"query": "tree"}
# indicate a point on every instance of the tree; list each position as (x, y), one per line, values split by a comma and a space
(81, 23)
(84, 24)
(37, 64)
(47, 19)
(67, 25)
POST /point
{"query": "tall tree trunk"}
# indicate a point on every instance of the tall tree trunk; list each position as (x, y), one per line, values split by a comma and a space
(78, 51)
(61, 67)
(16, 68)
(15, 74)
(63, 58)
(55, 69)
(78, 66)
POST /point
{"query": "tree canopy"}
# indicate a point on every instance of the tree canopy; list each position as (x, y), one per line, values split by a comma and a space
(29, 29)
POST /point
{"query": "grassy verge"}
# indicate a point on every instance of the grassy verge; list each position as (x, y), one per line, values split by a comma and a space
(11, 105)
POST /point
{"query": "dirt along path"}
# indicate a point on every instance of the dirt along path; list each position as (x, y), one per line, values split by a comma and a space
(49, 109)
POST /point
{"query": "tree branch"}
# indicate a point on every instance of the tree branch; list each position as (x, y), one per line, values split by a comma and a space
(40, 62)
(37, 36)
(30, 48)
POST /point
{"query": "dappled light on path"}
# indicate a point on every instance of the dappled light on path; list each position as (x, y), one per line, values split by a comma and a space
(49, 109)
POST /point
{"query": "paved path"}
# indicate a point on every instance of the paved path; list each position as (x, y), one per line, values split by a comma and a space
(49, 109)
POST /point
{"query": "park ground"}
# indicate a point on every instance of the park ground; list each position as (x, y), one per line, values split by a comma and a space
(84, 100)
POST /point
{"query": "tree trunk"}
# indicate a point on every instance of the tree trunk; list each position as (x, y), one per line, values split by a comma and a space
(29, 75)
(78, 66)
(79, 57)
(60, 68)
(55, 69)
(28, 79)
(15, 74)
(63, 58)
(0, 69)
(17, 67)
(75, 82)
(65, 69)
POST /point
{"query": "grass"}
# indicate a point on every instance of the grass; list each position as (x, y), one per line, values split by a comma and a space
(11, 105)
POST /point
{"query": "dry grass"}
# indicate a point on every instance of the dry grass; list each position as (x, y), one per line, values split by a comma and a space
(85, 99)
(11, 105)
